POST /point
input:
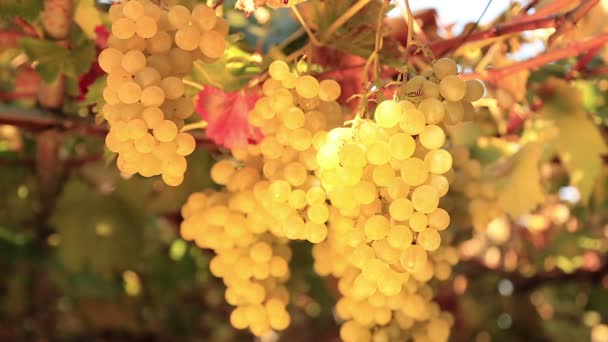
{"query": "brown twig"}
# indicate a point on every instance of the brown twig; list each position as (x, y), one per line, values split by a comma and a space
(218, 4)
(493, 75)
(581, 65)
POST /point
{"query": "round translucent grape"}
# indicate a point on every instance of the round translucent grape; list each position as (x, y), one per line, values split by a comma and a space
(432, 137)
(430, 89)
(414, 85)
(438, 161)
(425, 198)
(147, 76)
(278, 70)
(376, 227)
(152, 96)
(165, 131)
(279, 190)
(439, 219)
(401, 209)
(185, 144)
(153, 116)
(433, 110)
(136, 128)
(222, 171)
(418, 221)
(329, 90)
(178, 16)
(153, 11)
(402, 146)
(297, 199)
(445, 67)
(400, 237)
(413, 258)
(123, 28)
(281, 100)
(145, 144)
(293, 118)
(222, 26)
(300, 139)
(212, 44)
(109, 59)
(133, 9)
(318, 213)
(160, 43)
(203, 17)
(412, 121)
(187, 38)
(173, 87)
(173, 180)
(388, 114)
(378, 153)
(145, 27)
(452, 88)
(454, 112)
(383, 174)
(429, 239)
(365, 192)
(133, 61)
(307, 86)
(397, 188)
(440, 183)
(474, 90)
(115, 11)
(295, 173)
(414, 171)
(352, 155)
(316, 232)
(129, 92)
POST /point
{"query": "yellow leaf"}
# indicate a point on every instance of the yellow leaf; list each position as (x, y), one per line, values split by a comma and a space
(579, 144)
(521, 191)
(87, 17)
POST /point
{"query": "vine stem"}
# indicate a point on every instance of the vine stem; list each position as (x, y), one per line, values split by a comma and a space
(193, 84)
(311, 35)
(354, 9)
(573, 49)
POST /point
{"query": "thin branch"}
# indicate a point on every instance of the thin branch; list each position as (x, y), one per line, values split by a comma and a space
(354, 9)
(494, 75)
(311, 35)
(581, 65)
(218, 3)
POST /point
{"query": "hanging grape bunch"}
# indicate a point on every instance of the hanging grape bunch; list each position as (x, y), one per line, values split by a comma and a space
(150, 50)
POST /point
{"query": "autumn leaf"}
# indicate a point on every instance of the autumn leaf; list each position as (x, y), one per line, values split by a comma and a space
(512, 88)
(226, 116)
(521, 191)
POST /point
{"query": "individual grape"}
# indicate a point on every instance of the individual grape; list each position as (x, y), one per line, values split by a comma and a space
(123, 28)
(318, 213)
(153, 11)
(152, 96)
(439, 219)
(133, 10)
(115, 12)
(445, 67)
(388, 114)
(165, 131)
(414, 171)
(295, 173)
(133, 61)
(425, 198)
(379, 153)
(145, 143)
(137, 128)
(212, 44)
(109, 59)
(147, 76)
(159, 43)
(433, 110)
(401, 209)
(402, 146)
(178, 16)
(413, 258)
(418, 221)
(329, 90)
(185, 144)
(474, 90)
(414, 85)
(301, 139)
(452, 88)
(279, 190)
(145, 27)
(278, 70)
(222, 26)
(365, 192)
(454, 112)
(440, 183)
(129, 92)
(153, 117)
(203, 17)
(432, 137)
(173, 87)
(429, 239)
(187, 38)
(376, 227)
(222, 171)
(438, 161)
(173, 180)
(430, 89)
(412, 121)
(307, 86)
(400, 237)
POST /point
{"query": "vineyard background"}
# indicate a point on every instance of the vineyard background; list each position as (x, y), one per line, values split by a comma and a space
(89, 254)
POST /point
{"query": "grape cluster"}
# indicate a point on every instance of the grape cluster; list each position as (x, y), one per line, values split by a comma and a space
(271, 196)
(384, 178)
(150, 51)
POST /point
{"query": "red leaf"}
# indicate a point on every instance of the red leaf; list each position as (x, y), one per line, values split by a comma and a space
(101, 40)
(226, 116)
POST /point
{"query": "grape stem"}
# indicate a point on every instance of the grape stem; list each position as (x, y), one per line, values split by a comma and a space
(193, 84)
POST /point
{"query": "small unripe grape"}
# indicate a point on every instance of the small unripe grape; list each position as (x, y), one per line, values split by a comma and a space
(279, 190)
(222, 26)
(383, 174)
(474, 90)
(388, 114)
(173, 180)
(179, 16)
(133, 61)
(307, 86)
(432, 137)
(452, 88)
(165, 131)
(329, 90)
(445, 67)
(278, 70)
(123, 28)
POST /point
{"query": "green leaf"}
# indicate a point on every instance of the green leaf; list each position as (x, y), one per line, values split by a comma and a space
(229, 73)
(578, 142)
(521, 190)
(94, 96)
(28, 9)
(52, 59)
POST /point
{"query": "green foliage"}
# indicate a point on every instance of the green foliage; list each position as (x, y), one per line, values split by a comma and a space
(229, 73)
(27, 9)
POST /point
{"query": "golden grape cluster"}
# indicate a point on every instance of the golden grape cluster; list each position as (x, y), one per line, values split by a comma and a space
(150, 50)
(366, 195)
(271, 195)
